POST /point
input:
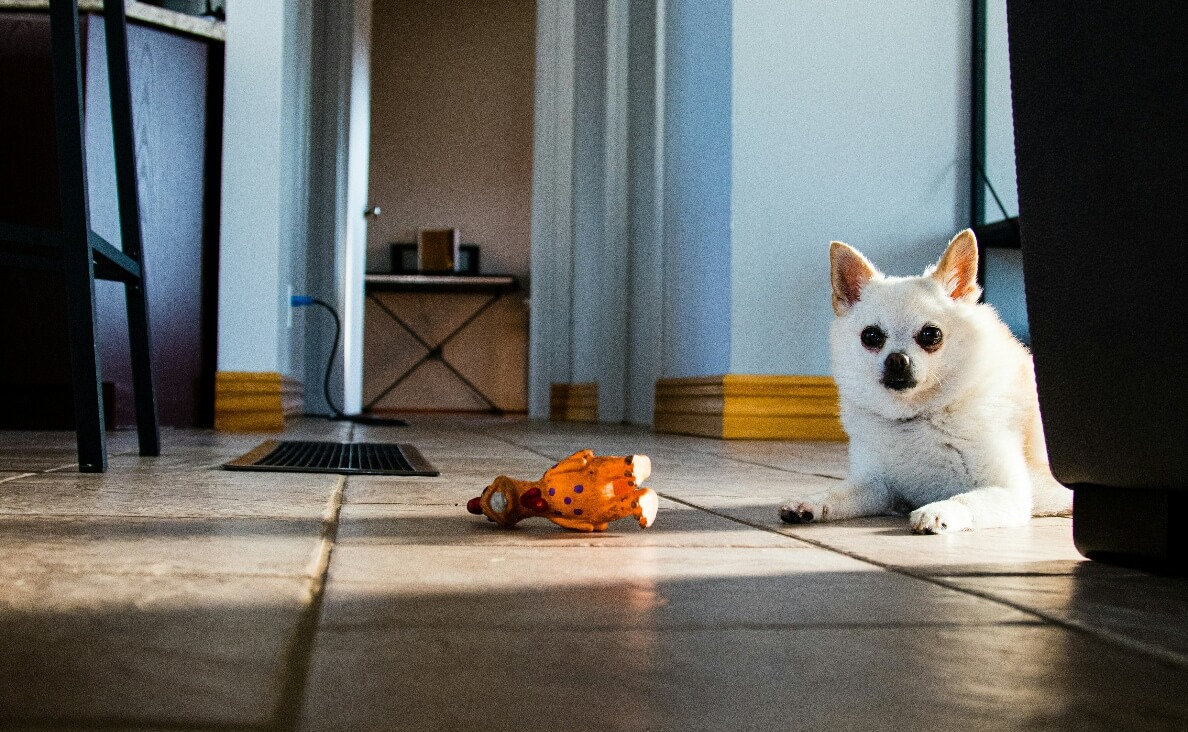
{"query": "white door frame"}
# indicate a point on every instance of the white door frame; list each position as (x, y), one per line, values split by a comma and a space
(628, 256)
(358, 162)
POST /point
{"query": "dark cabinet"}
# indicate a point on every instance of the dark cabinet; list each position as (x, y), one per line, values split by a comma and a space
(1099, 106)
(177, 111)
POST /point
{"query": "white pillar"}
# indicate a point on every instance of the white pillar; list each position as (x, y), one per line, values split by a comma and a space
(253, 307)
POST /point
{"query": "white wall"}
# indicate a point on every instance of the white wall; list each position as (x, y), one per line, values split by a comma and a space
(697, 188)
(265, 154)
(252, 311)
(850, 122)
(294, 175)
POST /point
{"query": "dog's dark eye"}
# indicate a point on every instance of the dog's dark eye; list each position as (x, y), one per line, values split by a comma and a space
(930, 337)
(873, 338)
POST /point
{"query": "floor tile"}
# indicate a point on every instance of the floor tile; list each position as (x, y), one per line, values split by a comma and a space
(151, 650)
(21, 460)
(460, 480)
(732, 485)
(820, 458)
(617, 586)
(44, 545)
(36, 451)
(1044, 546)
(1001, 677)
(197, 493)
(441, 524)
(1135, 607)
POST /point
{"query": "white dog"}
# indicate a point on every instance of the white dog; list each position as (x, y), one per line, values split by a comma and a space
(938, 399)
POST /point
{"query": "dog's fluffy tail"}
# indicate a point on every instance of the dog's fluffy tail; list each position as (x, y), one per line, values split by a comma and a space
(1048, 496)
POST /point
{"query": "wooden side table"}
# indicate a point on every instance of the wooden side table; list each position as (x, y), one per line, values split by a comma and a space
(494, 286)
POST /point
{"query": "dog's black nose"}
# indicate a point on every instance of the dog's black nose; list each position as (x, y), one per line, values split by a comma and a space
(897, 363)
(897, 372)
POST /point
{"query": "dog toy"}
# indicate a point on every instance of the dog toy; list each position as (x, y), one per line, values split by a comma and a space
(582, 493)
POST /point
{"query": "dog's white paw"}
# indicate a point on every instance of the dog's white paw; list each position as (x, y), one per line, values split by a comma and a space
(942, 517)
(799, 511)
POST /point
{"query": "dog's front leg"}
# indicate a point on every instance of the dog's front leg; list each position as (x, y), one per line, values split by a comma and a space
(848, 500)
(982, 508)
(1003, 500)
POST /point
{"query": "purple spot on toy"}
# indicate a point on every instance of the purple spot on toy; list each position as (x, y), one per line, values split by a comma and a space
(568, 499)
(578, 489)
(577, 512)
(552, 491)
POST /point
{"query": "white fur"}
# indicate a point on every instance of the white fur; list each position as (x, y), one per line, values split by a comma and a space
(964, 448)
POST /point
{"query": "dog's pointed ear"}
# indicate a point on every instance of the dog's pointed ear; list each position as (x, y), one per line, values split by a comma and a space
(957, 270)
(849, 272)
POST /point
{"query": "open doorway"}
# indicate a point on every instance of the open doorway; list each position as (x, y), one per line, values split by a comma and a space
(451, 146)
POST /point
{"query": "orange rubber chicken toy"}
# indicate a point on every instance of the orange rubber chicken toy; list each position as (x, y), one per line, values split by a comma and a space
(582, 492)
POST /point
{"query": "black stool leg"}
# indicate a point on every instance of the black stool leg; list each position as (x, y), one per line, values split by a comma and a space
(119, 82)
(78, 265)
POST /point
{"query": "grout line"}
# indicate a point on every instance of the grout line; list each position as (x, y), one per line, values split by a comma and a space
(680, 627)
(57, 468)
(300, 655)
(1164, 655)
(506, 441)
(692, 452)
(718, 456)
(991, 575)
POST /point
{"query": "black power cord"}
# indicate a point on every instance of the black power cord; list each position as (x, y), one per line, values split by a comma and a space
(336, 413)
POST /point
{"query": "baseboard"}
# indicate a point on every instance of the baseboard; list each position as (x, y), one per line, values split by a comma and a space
(255, 401)
(292, 396)
(573, 402)
(749, 407)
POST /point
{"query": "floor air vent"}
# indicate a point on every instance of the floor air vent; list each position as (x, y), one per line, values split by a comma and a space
(352, 458)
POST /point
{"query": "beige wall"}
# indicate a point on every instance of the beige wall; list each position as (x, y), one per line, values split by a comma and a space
(451, 145)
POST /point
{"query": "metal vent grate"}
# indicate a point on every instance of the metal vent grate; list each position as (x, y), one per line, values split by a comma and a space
(353, 458)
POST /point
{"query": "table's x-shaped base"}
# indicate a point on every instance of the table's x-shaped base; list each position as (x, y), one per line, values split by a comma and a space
(435, 352)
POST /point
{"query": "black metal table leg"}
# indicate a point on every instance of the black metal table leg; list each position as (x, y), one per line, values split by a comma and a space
(77, 263)
(136, 297)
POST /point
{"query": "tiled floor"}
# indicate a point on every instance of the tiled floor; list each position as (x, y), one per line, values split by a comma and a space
(169, 594)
